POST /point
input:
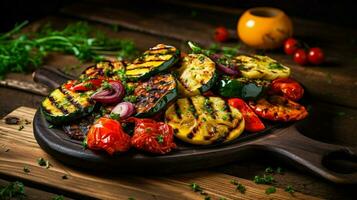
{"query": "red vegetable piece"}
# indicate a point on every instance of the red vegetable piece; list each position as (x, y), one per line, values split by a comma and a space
(151, 136)
(287, 87)
(252, 121)
(92, 84)
(221, 34)
(107, 134)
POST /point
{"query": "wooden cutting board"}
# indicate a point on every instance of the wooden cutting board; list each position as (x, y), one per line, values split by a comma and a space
(18, 149)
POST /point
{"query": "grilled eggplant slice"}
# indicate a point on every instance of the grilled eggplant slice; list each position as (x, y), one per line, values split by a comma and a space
(196, 75)
(261, 67)
(63, 106)
(153, 61)
(153, 95)
(103, 70)
(204, 120)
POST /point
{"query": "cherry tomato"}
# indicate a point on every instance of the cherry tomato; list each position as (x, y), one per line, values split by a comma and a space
(278, 108)
(151, 136)
(91, 84)
(252, 121)
(107, 134)
(221, 34)
(316, 56)
(287, 87)
(300, 57)
(290, 46)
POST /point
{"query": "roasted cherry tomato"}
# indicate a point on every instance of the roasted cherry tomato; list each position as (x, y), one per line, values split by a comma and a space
(278, 108)
(91, 84)
(221, 34)
(290, 46)
(287, 87)
(151, 136)
(316, 56)
(252, 121)
(300, 57)
(107, 134)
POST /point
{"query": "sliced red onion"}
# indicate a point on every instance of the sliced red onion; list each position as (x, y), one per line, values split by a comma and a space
(113, 95)
(223, 68)
(124, 109)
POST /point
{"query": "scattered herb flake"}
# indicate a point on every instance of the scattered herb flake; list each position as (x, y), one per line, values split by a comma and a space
(84, 143)
(114, 116)
(26, 169)
(131, 198)
(21, 127)
(265, 179)
(14, 190)
(130, 98)
(269, 170)
(195, 187)
(58, 197)
(207, 198)
(44, 163)
(160, 138)
(7, 150)
(65, 177)
(50, 126)
(289, 189)
(270, 190)
(106, 86)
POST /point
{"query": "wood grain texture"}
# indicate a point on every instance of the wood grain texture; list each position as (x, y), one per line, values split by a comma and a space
(19, 149)
(176, 21)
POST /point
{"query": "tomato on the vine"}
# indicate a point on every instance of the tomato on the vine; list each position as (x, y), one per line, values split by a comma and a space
(290, 46)
(300, 57)
(316, 56)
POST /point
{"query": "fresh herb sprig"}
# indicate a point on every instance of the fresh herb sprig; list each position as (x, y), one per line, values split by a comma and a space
(23, 52)
(14, 190)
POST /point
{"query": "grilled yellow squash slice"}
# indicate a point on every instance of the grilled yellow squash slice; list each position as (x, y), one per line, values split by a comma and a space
(153, 61)
(196, 75)
(104, 70)
(261, 67)
(204, 120)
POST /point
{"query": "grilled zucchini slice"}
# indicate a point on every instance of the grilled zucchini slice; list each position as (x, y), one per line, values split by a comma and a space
(261, 67)
(204, 120)
(103, 70)
(153, 61)
(153, 95)
(196, 75)
(63, 105)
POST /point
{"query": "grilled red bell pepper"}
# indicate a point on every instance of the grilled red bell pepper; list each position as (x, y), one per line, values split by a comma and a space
(91, 84)
(252, 121)
(151, 136)
(287, 87)
(107, 134)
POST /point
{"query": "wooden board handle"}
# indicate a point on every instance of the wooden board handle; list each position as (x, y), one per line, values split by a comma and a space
(50, 77)
(333, 162)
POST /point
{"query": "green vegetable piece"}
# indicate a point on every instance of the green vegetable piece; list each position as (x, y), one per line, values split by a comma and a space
(270, 190)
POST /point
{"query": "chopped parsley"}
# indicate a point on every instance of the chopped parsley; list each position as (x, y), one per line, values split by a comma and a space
(270, 190)
(43, 163)
(275, 66)
(26, 169)
(160, 138)
(195, 187)
(50, 126)
(21, 127)
(88, 85)
(265, 179)
(14, 190)
(106, 86)
(208, 107)
(225, 117)
(148, 88)
(289, 189)
(130, 98)
(129, 89)
(201, 58)
(114, 116)
(241, 188)
(269, 170)
(84, 143)
(58, 197)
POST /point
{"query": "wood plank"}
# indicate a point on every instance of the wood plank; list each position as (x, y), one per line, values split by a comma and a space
(333, 82)
(19, 149)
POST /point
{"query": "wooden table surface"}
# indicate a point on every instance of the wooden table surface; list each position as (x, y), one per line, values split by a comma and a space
(149, 28)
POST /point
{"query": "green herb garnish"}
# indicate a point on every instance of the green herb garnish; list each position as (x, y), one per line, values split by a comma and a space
(106, 86)
(84, 143)
(289, 189)
(44, 163)
(130, 98)
(195, 187)
(160, 138)
(275, 66)
(269, 170)
(26, 169)
(58, 197)
(114, 116)
(50, 126)
(14, 190)
(241, 188)
(21, 127)
(265, 179)
(270, 190)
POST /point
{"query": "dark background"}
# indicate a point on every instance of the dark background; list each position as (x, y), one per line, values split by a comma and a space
(341, 13)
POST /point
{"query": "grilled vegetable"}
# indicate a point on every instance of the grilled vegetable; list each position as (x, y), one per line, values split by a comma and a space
(153, 61)
(204, 120)
(287, 87)
(197, 74)
(63, 105)
(242, 88)
(278, 108)
(103, 70)
(261, 67)
(154, 94)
